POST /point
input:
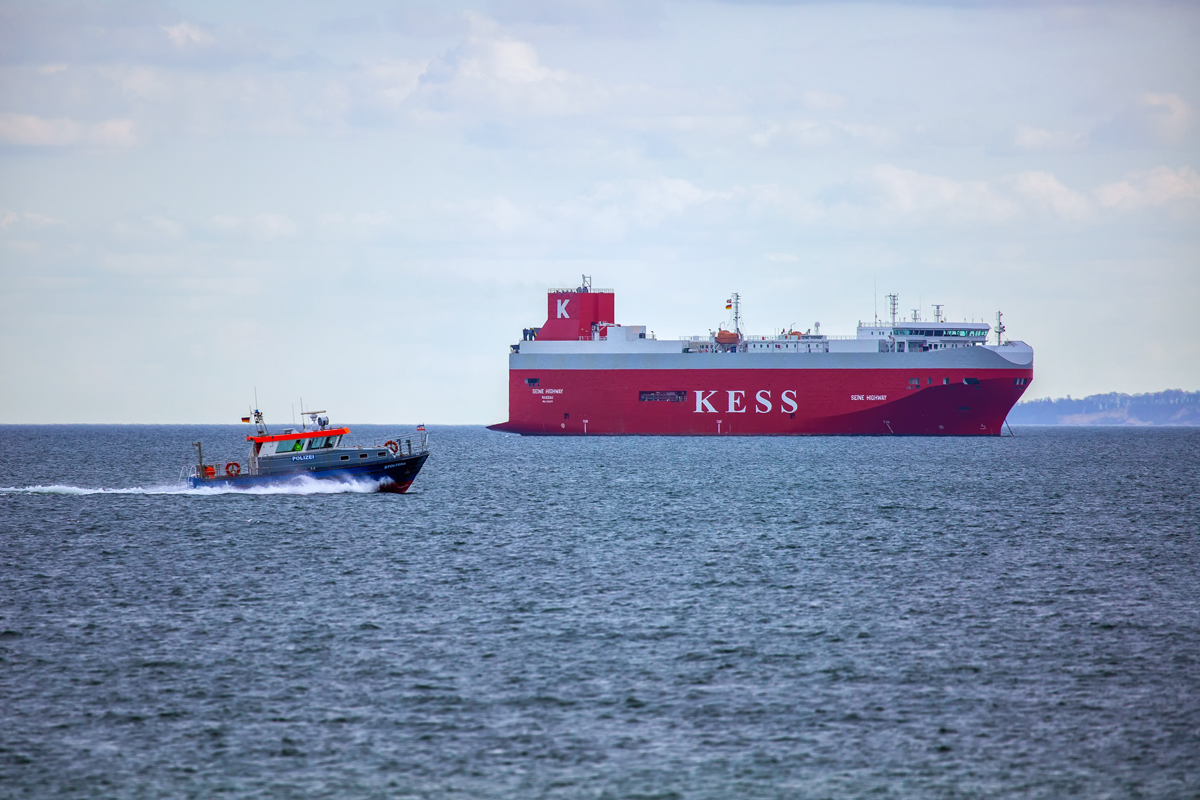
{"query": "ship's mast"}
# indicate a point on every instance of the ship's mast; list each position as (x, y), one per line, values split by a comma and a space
(999, 326)
(893, 301)
(937, 312)
(737, 314)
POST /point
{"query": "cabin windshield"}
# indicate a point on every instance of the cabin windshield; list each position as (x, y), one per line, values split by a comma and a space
(320, 443)
(290, 446)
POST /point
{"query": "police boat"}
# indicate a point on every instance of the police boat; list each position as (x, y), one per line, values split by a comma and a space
(314, 452)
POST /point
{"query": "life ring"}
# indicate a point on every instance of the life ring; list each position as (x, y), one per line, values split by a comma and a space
(390, 445)
(233, 469)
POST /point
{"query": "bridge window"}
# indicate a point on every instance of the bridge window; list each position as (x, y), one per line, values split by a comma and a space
(290, 446)
(320, 443)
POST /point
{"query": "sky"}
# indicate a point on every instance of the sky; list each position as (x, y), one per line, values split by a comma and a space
(362, 204)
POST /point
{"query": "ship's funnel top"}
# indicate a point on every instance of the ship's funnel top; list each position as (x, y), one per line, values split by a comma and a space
(572, 313)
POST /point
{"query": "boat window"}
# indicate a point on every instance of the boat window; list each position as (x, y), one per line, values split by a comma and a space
(971, 381)
(321, 443)
(381, 453)
(345, 458)
(290, 446)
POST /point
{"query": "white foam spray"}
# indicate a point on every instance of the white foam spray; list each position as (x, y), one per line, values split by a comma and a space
(299, 486)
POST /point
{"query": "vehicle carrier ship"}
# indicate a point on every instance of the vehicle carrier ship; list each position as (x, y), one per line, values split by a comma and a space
(581, 373)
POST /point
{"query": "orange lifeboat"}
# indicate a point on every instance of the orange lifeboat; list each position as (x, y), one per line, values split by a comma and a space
(727, 337)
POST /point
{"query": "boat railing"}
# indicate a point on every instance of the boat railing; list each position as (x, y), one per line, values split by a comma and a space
(408, 444)
(208, 471)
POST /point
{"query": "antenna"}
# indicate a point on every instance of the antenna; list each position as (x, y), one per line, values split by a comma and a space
(916, 315)
(258, 417)
(937, 312)
(893, 301)
(737, 314)
(999, 326)
(587, 284)
(875, 297)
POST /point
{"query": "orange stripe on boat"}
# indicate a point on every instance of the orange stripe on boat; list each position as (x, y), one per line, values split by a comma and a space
(282, 437)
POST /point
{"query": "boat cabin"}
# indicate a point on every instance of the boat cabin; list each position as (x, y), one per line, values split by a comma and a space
(290, 442)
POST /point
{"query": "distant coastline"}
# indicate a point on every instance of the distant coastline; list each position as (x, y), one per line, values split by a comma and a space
(1172, 407)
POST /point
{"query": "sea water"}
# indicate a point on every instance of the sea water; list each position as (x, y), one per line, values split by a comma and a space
(606, 618)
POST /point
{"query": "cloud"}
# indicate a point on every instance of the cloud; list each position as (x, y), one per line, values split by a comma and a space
(375, 92)
(32, 131)
(25, 221)
(907, 193)
(186, 35)
(263, 227)
(612, 209)
(1046, 192)
(107, 33)
(1168, 115)
(1030, 138)
(1153, 187)
(806, 133)
(1161, 118)
(496, 73)
(823, 101)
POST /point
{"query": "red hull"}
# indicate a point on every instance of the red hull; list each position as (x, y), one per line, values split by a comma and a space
(757, 402)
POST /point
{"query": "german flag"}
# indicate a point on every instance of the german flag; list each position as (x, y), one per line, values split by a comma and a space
(728, 305)
(245, 419)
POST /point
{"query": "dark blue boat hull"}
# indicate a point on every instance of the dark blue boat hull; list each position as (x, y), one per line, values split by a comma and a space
(394, 475)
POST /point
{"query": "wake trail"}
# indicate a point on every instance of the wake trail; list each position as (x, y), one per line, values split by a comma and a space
(304, 486)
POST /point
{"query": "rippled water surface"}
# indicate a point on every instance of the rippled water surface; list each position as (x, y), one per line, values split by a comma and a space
(607, 618)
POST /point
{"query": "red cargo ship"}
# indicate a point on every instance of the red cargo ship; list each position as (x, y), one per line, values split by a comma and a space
(582, 374)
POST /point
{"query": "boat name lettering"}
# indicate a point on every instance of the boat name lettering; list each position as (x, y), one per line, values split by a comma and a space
(547, 391)
(868, 397)
(303, 458)
(736, 401)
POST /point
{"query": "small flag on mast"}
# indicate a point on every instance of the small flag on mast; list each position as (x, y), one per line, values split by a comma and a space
(728, 305)
(245, 419)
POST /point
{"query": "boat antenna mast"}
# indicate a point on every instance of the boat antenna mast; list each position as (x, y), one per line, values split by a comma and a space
(259, 424)
(937, 312)
(586, 286)
(893, 302)
(999, 326)
(736, 301)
